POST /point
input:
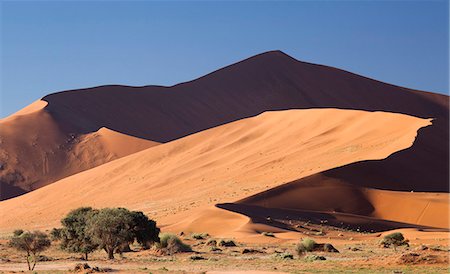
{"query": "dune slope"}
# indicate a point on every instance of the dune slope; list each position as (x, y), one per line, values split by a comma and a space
(265, 82)
(36, 150)
(222, 164)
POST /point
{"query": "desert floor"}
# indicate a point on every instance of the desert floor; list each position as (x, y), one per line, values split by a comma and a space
(359, 253)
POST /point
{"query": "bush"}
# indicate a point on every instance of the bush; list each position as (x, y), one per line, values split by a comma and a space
(268, 234)
(199, 236)
(315, 258)
(18, 232)
(170, 244)
(394, 239)
(226, 243)
(30, 242)
(197, 258)
(306, 245)
(330, 248)
(215, 249)
(211, 242)
(284, 256)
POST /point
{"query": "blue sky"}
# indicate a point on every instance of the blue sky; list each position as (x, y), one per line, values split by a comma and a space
(59, 45)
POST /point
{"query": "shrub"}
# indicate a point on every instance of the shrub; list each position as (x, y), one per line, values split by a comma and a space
(394, 239)
(268, 234)
(329, 248)
(306, 245)
(284, 256)
(211, 242)
(226, 243)
(315, 258)
(215, 249)
(170, 244)
(32, 243)
(199, 236)
(197, 258)
(18, 232)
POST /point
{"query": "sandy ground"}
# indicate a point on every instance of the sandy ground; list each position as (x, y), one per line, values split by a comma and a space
(361, 255)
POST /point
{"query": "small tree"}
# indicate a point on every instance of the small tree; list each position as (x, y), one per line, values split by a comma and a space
(111, 228)
(73, 234)
(144, 230)
(394, 239)
(32, 243)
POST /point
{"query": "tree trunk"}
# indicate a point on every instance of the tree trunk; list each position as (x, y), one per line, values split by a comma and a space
(34, 263)
(110, 253)
(28, 260)
(86, 256)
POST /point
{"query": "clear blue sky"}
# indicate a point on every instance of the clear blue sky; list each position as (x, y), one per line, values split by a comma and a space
(59, 45)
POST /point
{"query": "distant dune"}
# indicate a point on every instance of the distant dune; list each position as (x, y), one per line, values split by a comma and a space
(36, 150)
(265, 82)
(231, 162)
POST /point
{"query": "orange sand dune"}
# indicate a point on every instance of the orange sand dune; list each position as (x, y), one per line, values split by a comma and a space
(36, 150)
(247, 222)
(219, 165)
(318, 193)
(265, 82)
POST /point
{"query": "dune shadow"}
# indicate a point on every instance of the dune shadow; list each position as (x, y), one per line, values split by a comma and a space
(288, 218)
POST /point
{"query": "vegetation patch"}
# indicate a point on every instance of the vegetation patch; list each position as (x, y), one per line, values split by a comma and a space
(284, 256)
(226, 243)
(170, 244)
(199, 236)
(268, 234)
(311, 258)
(394, 239)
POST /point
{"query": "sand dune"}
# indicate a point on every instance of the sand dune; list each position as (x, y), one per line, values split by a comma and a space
(222, 164)
(36, 150)
(265, 82)
(318, 193)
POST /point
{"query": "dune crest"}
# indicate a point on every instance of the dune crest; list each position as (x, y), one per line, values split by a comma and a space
(223, 164)
(33, 107)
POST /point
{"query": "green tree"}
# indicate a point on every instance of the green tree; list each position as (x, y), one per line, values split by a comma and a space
(73, 235)
(394, 239)
(30, 242)
(111, 228)
(145, 231)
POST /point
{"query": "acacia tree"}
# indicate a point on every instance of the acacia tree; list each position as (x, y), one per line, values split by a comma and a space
(32, 243)
(73, 235)
(110, 228)
(145, 231)
(394, 239)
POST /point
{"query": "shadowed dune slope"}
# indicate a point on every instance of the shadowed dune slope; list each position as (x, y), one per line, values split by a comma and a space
(265, 82)
(222, 164)
(36, 150)
(319, 193)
